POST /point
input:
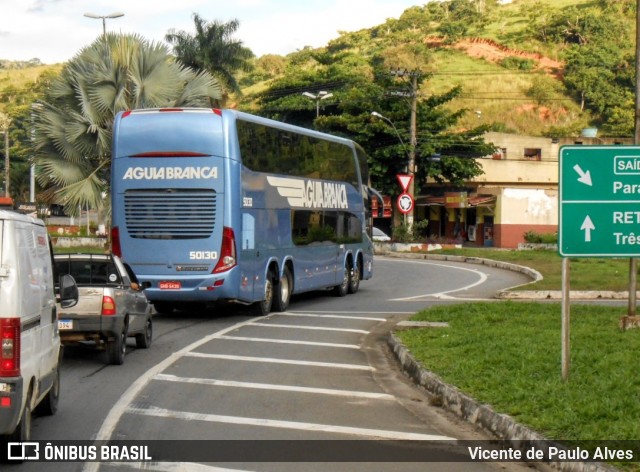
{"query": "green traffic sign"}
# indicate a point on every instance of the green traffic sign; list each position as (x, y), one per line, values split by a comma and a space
(599, 201)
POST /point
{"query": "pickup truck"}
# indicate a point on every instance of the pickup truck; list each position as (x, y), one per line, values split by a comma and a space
(112, 305)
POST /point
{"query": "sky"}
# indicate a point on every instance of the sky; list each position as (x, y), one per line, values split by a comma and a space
(56, 30)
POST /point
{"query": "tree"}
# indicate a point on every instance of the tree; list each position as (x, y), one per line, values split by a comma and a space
(74, 120)
(212, 49)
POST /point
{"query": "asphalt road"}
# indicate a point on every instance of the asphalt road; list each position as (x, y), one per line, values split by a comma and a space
(319, 373)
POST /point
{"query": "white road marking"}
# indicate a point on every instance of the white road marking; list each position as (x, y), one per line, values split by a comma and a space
(355, 313)
(284, 388)
(311, 328)
(289, 341)
(271, 360)
(482, 279)
(340, 317)
(116, 412)
(263, 422)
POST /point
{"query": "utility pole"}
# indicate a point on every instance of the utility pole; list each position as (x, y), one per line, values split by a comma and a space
(413, 141)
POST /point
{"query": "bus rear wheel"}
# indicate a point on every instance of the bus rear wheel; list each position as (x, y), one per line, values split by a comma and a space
(263, 307)
(342, 289)
(283, 291)
(354, 278)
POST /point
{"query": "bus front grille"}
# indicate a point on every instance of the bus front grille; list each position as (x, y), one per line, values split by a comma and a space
(170, 213)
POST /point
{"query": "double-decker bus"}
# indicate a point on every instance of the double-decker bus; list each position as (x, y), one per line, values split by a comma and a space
(219, 205)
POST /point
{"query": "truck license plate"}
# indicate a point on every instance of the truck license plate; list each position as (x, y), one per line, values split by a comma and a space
(65, 324)
(170, 285)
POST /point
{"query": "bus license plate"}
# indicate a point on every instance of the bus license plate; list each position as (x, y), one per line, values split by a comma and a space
(65, 324)
(170, 285)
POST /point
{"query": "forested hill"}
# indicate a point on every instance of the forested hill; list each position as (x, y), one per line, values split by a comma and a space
(542, 67)
(546, 67)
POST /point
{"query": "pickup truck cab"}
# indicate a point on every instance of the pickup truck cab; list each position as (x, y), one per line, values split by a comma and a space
(112, 305)
(30, 349)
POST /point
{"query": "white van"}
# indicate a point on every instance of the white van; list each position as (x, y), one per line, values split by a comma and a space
(30, 351)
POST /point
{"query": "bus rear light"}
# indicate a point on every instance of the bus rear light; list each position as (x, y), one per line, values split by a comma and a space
(10, 347)
(227, 259)
(108, 306)
(5, 402)
(115, 241)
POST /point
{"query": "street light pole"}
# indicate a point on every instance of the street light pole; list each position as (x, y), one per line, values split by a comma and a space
(104, 19)
(5, 122)
(320, 96)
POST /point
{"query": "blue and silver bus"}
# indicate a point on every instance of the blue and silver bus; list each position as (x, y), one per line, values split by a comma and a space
(219, 205)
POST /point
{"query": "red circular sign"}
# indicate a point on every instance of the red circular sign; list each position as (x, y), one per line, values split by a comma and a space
(405, 203)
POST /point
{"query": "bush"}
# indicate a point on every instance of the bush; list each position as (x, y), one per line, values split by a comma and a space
(541, 238)
(517, 63)
(416, 234)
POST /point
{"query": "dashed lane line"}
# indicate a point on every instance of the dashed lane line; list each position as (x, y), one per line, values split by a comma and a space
(293, 425)
(272, 360)
(285, 388)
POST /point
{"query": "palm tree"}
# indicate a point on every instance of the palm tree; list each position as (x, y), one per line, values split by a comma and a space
(74, 121)
(212, 49)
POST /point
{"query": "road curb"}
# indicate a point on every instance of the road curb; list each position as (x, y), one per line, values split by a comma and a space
(500, 425)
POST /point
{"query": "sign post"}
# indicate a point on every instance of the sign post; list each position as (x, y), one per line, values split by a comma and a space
(405, 200)
(599, 211)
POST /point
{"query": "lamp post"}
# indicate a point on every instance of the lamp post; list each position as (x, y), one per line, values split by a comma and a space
(320, 96)
(410, 160)
(104, 19)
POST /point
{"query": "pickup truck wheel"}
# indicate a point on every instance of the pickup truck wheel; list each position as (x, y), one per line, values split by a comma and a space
(49, 405)
(143, 340)
(117, 348)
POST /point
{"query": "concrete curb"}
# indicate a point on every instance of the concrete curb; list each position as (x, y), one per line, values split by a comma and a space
(500, 425)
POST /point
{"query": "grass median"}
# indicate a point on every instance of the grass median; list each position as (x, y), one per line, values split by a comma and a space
(508, 354)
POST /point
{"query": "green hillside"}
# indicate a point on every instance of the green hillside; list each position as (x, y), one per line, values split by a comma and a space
(510, 61)
(495, 52)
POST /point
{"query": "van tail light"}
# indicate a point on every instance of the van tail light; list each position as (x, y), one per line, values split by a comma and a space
(10, 348)
(115, 241)
(228, 258)
(108, 306)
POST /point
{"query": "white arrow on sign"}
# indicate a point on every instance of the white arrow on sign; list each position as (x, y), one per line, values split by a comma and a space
(585, 177)
(587, 227)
